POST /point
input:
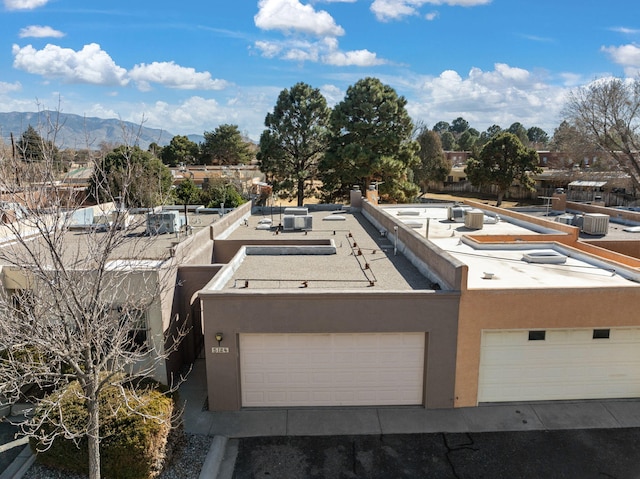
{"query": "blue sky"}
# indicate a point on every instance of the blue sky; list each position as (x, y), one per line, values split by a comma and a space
(189, 66)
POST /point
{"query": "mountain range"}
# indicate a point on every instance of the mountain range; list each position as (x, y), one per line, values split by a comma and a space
(79, 132)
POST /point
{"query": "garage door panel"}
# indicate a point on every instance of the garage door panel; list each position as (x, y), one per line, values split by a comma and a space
(567, 364)
(333, 369)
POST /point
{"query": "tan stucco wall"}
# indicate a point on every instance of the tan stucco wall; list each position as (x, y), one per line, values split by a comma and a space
(225, 224)
(533, 309)
(234, 312)
(629, 248)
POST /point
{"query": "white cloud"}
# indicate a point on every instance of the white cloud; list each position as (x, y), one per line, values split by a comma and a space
(268, 49)
(293, 16)
(625, 30)
(171, 75)
(90, 65)
(360, 58)
(628, 56)
(301, 55)
(39, 31)
(501, 96)
(24, 4)
(386, 10)
(325, 51)
(197, 114)
(431, 16)
(9, 87)
(332, 94)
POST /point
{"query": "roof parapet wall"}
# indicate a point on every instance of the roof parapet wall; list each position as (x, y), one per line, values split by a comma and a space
(624, 215)
(433, 262)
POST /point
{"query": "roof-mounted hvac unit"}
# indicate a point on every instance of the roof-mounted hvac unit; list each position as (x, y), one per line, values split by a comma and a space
(296, 222)
(296, 211)
(474, 219)
(456, 213)
(565, 219)
(164, 222)
(595, 224)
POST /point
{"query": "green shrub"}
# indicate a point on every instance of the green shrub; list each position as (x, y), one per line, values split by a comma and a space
(132, 446)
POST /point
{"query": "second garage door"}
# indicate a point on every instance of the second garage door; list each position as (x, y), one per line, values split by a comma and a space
(364, 369)
(559, 364)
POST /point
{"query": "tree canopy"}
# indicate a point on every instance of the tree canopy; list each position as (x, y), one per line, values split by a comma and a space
(294, 141)
(218, 192)
(180, 150)
(370, 142)
(187, 193)
(134, 175)
(225, 146)
(459, 126)
(537, 136)
(520, 131)
(606, 114)
(32, 147)
(433, 165)
(448, 141)
(503, 160)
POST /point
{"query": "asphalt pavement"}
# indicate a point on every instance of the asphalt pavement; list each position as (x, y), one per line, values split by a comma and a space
(571, 454)
(561, 439)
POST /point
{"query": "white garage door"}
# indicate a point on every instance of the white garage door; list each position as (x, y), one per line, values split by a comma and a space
(559, 364)
(331, 369)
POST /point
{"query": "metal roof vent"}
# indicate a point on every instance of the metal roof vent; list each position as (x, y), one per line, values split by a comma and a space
(544, 256)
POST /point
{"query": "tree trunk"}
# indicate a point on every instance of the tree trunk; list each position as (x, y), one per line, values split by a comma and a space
(500, 196)
(93, 433)
(300, 192)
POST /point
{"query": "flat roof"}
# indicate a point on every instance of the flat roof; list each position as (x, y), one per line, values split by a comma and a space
(147, 250)
(360, 259)
(503, 266)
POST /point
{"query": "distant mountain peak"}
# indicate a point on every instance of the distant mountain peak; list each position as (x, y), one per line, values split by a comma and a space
(79, 132)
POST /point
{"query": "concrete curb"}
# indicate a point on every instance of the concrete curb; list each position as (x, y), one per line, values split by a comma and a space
(212, 462)
(228, 465)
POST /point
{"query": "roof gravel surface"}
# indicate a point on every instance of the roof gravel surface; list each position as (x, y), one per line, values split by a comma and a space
(363, 258)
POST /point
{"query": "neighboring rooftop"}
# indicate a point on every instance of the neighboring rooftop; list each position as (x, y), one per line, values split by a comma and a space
(512, 264)
(137, 243)
(343, 251)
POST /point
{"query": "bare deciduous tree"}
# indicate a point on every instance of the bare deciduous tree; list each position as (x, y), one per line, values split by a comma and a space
(74, 303)
(607, 114)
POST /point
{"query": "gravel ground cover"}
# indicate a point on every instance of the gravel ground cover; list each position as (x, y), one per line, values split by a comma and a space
(186, 462)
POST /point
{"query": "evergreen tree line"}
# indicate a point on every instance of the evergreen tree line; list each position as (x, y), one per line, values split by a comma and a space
(368, 140)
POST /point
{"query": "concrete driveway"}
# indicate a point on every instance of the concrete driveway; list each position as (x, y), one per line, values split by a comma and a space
(584, 454)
